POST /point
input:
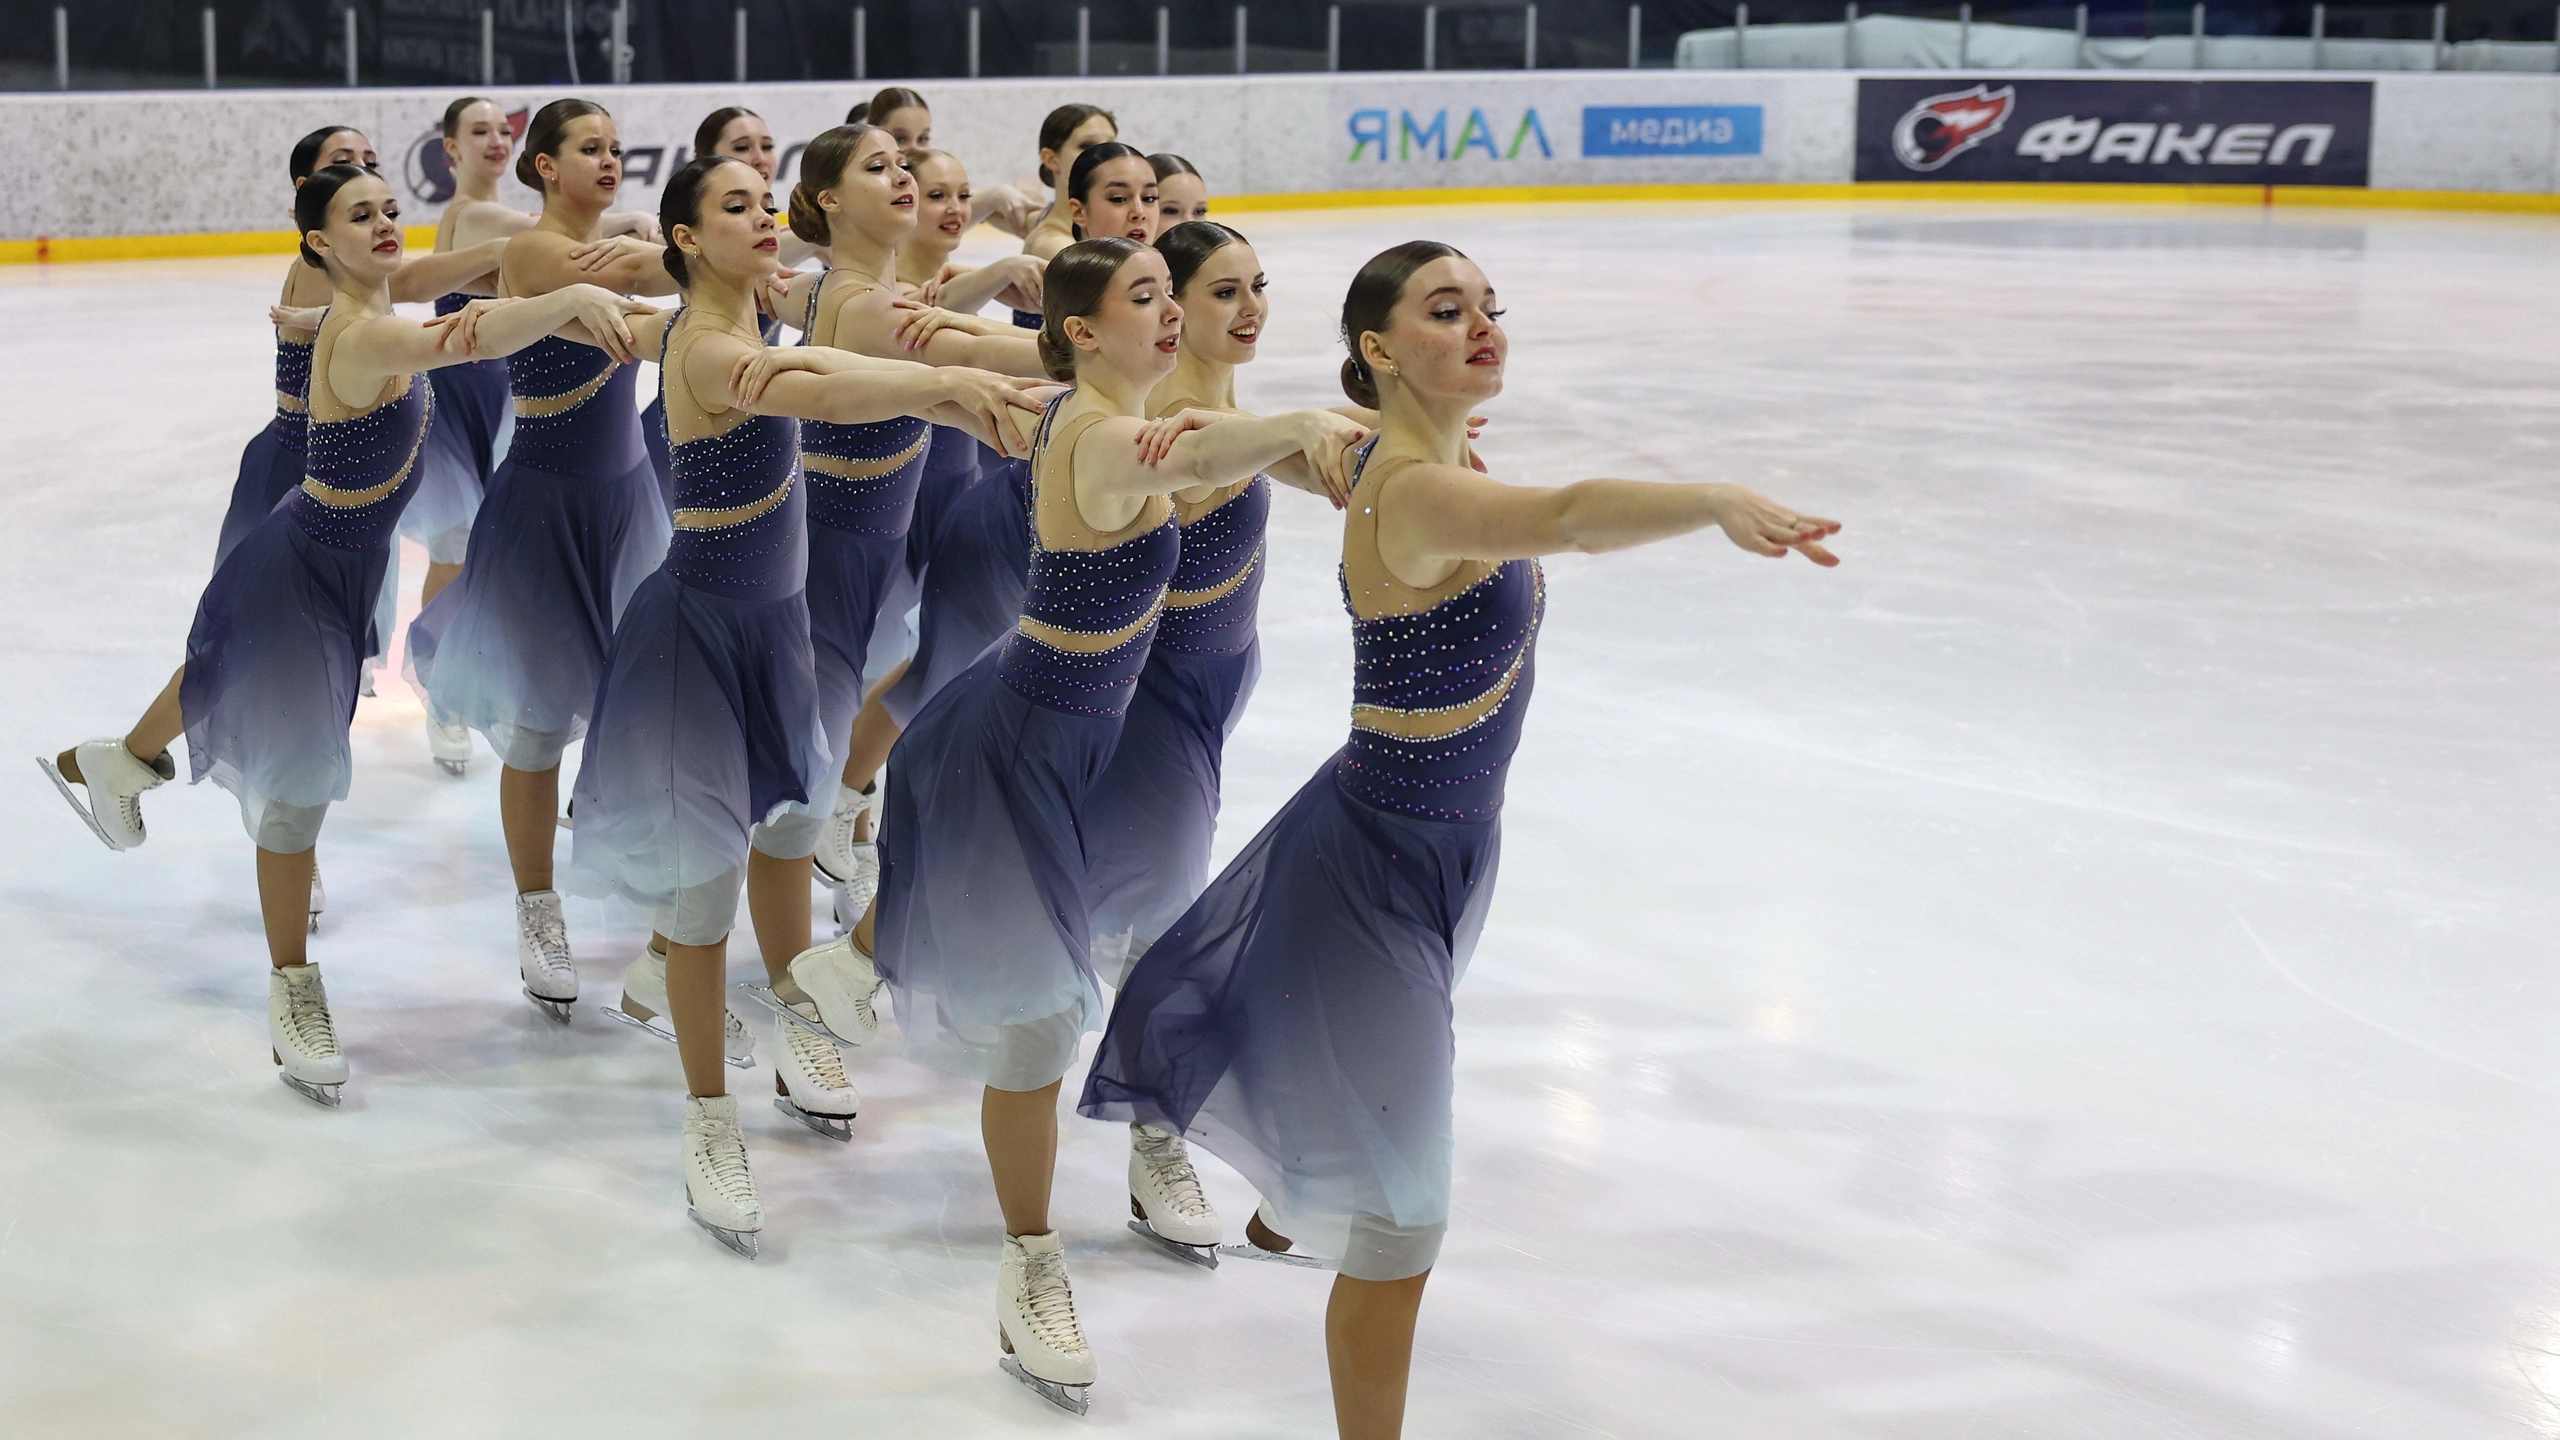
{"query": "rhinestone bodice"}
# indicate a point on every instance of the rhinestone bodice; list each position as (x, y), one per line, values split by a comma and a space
(740, 509)
(1459, 673)
(293, 390)
(861, 478)
(358, 474)
(1089, 617)
(575, 414)
(1217, 584)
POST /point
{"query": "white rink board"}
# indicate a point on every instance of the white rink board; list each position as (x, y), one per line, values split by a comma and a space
(175, 162)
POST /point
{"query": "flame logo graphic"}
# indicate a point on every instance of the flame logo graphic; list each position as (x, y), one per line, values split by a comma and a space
(1943, 127)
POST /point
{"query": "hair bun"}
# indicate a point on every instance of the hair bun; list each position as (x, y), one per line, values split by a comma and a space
(1357, 383)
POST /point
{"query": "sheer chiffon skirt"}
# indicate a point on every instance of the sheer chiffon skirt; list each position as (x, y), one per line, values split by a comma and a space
(1295, 1021)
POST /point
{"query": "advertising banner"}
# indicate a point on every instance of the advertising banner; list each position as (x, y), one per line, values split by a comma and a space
(2174, 132)
(1419, 132)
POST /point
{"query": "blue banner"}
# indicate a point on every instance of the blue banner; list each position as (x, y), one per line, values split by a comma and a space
(1670, 130)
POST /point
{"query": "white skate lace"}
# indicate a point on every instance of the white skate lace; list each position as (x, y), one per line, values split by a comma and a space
(818, 1056)
(1168, 1163)
(733, 1034)
(724, 1160)
(550, 936)
(1049, 1304)
(306, 1019)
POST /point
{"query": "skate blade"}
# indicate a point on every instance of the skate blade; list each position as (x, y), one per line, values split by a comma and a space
(1204, 1256)
(1070, 1398)
(454, 768)
(554, 1010)
(736, 1242)
(763, 995)
(834, 1127)
(53, 772)
(1251, 1251)
(663, 1031)
(317, 1094)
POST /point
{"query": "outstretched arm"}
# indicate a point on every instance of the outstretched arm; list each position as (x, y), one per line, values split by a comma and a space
(816, 382)
(543, 260)
(872, 321)
(1209, 448)
(970, 291)
(424, 277)
(1436, 514)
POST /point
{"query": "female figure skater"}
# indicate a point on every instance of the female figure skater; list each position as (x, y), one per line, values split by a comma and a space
(706, 749)
(268, 686)
(903, 113)
(980, 919)
(1064, 135)
(1181, 195)
(1296, 1019)
(572, 522)
(973, 588)
(857, 193)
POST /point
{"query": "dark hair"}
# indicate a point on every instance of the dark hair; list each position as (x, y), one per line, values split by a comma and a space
(888, 102)
(1080, 176)
(548, 132)
(306, 151)
(453, 113)
(1372, 298)
(1063, 122)
(1077, 280)
(706, 136)
(311, 206)
(1187, 246)
(1169, 165)
(821, 166)
(681, 204)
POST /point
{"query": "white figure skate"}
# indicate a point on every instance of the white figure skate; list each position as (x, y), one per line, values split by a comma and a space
(839, 981)
(301, 1035)
(809, 1082)
(319, 897)
(644, 1007)
(849, 861)
(115, 782)
(542, 954)
(1292, 1256)
(719, 1193)
(450, 745)
(1172, 1213)
(1044, 1344)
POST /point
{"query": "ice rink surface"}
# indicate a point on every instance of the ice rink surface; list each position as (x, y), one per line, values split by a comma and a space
(2082, 970)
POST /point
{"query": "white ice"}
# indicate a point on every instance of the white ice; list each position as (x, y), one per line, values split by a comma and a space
(2084, 968)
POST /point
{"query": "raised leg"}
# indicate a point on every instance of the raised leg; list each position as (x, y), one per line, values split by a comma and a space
(529, 811)
(874, 733)
(1368, 1345)
(159, 727)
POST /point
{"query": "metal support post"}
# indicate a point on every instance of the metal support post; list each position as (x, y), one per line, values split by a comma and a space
(2436, 56)
(1635, 37)
(861, 43)
(1849, 36)
(738, 40)
(208, 48)
(1164, 41)
(350, 13)
(1430, 37)
(2198, 63)
(622, 42)
(1240, 32)
(2080, 40)
(61, 48)
(1964, 37)
(1332, 38)
(973, 42)
(2319, 36)
(488, 48)
(1741, 37)
(1084, 40)
(1529, 41)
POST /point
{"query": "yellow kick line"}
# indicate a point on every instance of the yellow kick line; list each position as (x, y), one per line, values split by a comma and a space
(420, 237)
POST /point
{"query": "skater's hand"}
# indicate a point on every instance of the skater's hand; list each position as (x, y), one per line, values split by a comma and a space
(930, 292)
(296, 317)
(1006, 405)
(596, 254)
(462, 327)
(637, 224)
(1765, 527)
(756, 369)
(1330, 440)
(1156, 437)
(1475, 429)
(1008, 209)
(603, 312)
(914, 324)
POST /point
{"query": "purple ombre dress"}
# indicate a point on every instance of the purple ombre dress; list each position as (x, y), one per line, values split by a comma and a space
(981, 925)
(271, 463)
(572, 523)
(973, 584)
(706, 719)
(282, 632)
(863, 481)
(473, 423)
(1295, 1021)
(1150, 818)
